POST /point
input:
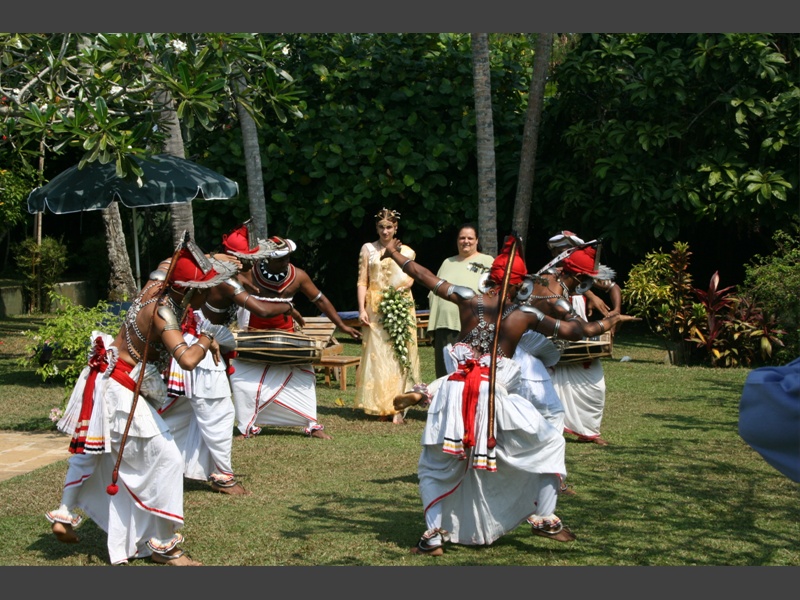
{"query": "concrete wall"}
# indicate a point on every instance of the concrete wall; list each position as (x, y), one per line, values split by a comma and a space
(82, 293)
(11, 301)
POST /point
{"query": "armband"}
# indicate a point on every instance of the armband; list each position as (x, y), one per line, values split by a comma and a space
(177, 358)
(169, 317)
(176, 347)
(158, 275)
(527, 308)
(437, 286)
(238, 288)
(461, 290)
(564, 305)
(317, 297)
(405, 264)
(214, 309)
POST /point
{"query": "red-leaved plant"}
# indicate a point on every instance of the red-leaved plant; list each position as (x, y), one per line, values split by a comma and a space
(732, 330)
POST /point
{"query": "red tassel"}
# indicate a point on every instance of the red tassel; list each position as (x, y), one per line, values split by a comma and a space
(112, 489)
(491, 443)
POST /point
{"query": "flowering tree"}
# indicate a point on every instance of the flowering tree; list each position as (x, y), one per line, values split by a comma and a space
(113, 97)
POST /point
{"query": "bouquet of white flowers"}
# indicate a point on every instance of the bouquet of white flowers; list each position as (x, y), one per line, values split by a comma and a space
(398, 321)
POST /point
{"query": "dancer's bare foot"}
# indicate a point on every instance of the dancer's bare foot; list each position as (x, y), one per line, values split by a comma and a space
(398, 419)
(174, 558)
(320, 433)
(403, 401)
(64, 533)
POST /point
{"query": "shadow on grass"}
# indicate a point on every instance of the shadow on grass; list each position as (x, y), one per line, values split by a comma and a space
(706, 514)
(91, 544)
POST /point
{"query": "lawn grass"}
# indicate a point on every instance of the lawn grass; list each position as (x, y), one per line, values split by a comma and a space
(675, 487)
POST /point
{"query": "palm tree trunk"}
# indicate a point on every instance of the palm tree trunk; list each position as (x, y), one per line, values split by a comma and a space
(487, 182)
(182, 214)
(255, 178)
(530, 134)
(121, 286)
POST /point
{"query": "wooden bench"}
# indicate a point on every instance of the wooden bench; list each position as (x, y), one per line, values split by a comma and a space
(332, 361)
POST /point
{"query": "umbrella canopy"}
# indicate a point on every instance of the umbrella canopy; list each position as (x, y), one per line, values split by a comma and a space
(167, 180)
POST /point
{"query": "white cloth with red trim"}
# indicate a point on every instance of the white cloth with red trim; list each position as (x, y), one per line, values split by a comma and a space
(201, 420)
(476, 504)
(149, 501)
(581, 387)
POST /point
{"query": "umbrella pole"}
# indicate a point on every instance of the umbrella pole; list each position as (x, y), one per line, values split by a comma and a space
(136, 250)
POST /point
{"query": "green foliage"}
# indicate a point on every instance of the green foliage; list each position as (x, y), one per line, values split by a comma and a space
(727, 330)
(59, 348)
(773, 282)
(14, 189)
(733, 331)
(659, 289)
(654, 136)
(389, 122)
(42, 265)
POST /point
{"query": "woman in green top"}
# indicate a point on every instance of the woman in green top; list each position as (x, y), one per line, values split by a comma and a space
(465, 268)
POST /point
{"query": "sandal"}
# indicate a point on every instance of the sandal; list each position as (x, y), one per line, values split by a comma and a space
(228, 486)
(431, 543)
(560, 534)
(179, 559)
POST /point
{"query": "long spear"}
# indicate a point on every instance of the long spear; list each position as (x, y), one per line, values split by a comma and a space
(491, 441)
(113, 488)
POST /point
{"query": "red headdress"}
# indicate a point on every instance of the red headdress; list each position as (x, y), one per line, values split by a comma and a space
(194, 269)
(243, 244)
(581, 262)
(518, 268)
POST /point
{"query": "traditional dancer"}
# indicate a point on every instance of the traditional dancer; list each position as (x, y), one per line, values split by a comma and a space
(126, 472)
(279, 395)
(581, 386)
(200, 412)
(489, 459)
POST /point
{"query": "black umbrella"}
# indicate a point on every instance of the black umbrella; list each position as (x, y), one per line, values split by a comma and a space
(166, 180)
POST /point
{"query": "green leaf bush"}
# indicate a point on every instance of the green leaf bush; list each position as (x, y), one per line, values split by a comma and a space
(60, 347)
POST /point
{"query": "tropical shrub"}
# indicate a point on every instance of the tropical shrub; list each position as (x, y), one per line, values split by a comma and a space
(732, 330)
(773, 282)
(42, 265)
(60, 347)
(659, 289)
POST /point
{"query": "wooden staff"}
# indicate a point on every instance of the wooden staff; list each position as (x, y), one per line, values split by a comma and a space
(491, 441)
(112, 488)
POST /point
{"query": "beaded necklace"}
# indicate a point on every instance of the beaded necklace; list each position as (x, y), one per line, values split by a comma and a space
(130, 323)
(482, 334)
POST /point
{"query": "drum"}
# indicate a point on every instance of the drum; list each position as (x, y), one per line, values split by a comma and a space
(277, 347)
(587, 349)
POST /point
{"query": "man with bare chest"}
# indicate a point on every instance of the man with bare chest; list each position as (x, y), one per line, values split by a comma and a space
(269, 394)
